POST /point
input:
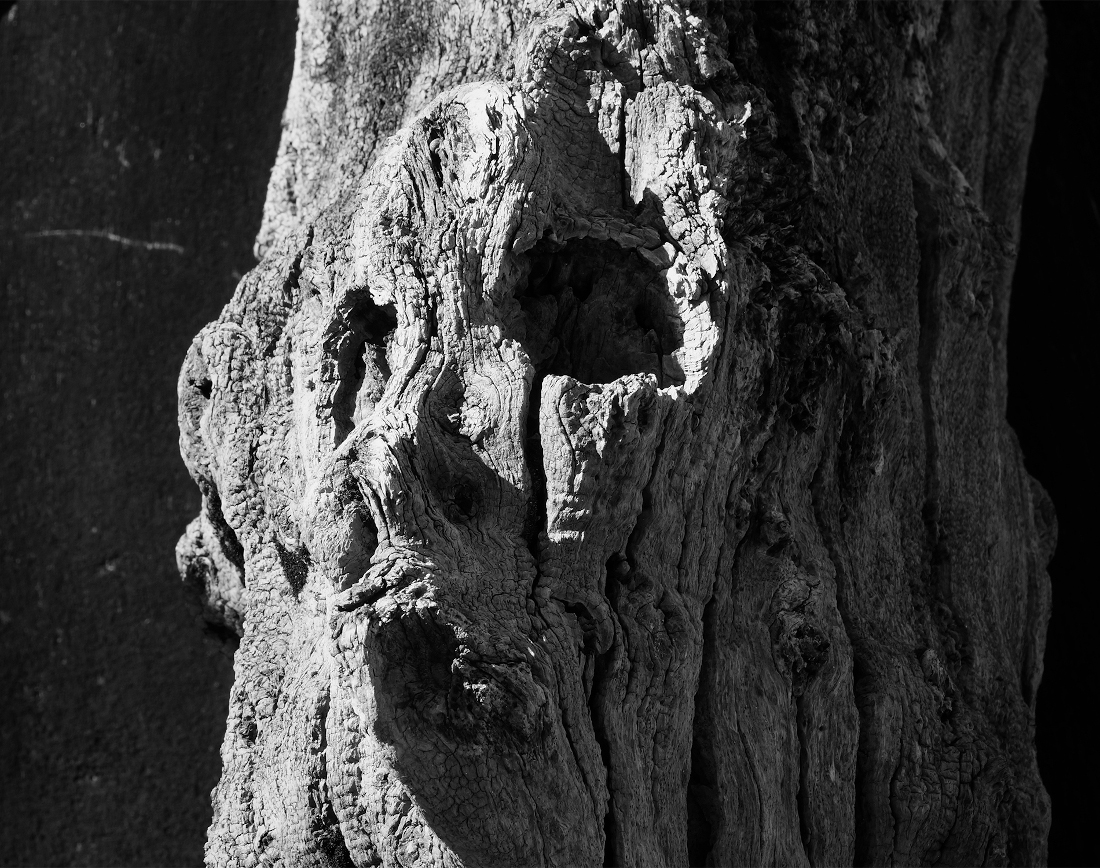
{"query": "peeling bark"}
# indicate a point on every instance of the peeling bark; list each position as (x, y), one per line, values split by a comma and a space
(606, 463)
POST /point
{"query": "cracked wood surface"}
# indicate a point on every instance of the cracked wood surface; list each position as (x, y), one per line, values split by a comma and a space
(607, 463)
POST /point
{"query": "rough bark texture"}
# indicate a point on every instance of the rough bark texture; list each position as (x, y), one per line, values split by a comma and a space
(610, 467)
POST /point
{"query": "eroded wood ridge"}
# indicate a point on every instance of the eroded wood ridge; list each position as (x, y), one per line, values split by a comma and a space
(588, 478)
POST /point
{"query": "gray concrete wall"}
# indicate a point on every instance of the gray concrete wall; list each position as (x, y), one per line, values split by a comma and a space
(157, 123)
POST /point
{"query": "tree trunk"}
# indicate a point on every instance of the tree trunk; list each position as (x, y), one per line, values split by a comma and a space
(607, 464)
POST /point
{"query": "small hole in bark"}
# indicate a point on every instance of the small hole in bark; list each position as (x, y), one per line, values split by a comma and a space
(362, 364)
(205, 387)
(295, 567)
(464, 500)
(433, 154)
(248, 731)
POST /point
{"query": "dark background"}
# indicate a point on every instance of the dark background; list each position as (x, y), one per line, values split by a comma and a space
(1053, 335)
(159, 123)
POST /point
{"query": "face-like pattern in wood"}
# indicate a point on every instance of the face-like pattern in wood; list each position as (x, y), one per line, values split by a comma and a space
(430, 434)
(495, 446)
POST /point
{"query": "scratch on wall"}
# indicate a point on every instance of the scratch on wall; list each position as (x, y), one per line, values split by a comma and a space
(109, 236)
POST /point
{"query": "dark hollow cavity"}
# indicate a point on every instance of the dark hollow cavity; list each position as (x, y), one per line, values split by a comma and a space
(595, 311)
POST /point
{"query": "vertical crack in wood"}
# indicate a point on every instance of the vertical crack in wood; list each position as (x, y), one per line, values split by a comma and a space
(703, 809)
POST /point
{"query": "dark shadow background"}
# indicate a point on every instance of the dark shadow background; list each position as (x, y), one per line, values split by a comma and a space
(159, 123)
(1052, 369)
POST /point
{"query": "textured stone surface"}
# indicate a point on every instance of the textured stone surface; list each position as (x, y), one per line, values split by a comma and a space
(156, 123)
(611, 466)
